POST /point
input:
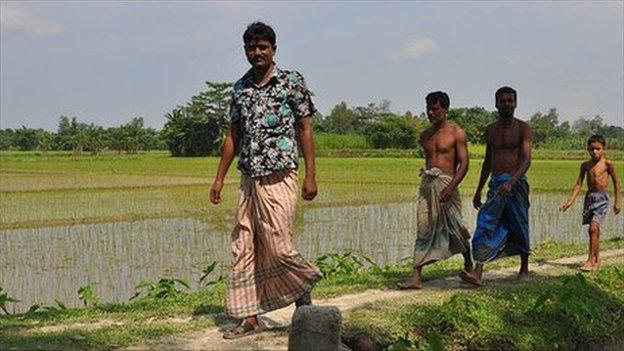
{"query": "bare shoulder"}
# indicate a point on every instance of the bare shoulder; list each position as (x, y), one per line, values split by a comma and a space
(585, 165)
(425, 134)
(489, 130)
(458, 132)
(525, 130)
(610, 165)
(523, 126)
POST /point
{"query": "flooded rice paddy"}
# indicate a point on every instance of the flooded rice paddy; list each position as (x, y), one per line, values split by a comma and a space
(38, 265)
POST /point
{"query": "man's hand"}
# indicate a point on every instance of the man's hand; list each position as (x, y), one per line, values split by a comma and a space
(215, 192)
(476, 200)
(564, 207)
(617, 207)
(446, 194)
(505, 189)
(309, 190)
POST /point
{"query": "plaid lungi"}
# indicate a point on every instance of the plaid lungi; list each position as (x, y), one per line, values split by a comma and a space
(441, 230)
(268, 273)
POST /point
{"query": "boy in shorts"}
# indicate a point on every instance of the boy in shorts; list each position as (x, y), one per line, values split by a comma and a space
(598, 169)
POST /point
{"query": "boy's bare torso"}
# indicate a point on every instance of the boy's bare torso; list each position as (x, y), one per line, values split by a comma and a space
(597, 174)
(440, 147)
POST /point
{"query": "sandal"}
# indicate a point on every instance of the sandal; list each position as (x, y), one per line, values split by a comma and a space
(243, 329)
(304, 300)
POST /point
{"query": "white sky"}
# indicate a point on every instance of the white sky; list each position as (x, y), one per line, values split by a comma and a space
(106, 62)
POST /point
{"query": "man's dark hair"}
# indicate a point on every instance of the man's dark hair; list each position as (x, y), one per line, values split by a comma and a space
(259, 31)
(597, 138)
(505, 90)
(438, 96)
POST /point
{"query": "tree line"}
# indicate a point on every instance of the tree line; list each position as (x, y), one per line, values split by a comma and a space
(198, 127)
(78, 137)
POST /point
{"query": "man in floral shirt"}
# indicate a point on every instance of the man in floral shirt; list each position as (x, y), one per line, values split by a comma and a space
(268, 105)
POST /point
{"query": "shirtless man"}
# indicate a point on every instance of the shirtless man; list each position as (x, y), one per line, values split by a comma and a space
(503, 221)
(598, 170)
(441, 232)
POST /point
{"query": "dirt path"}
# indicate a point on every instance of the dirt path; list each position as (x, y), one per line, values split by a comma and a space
(277, 322)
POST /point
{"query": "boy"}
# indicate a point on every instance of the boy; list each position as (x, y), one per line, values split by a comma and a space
(596, 199)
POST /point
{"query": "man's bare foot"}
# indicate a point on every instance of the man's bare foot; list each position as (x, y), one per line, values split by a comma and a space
(522, 276)
(410, 284)
(587, 267)
(471, 277)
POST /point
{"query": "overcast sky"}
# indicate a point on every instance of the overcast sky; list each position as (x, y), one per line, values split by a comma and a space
(106, 62)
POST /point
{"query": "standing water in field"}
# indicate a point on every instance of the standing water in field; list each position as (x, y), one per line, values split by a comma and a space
(38, 265)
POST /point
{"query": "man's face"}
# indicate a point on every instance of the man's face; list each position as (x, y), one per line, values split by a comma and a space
(436, 113)
(595, 150)
(259, 53)
(506, 104)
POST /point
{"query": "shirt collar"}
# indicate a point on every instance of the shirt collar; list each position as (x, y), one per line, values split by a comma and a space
(248, 78)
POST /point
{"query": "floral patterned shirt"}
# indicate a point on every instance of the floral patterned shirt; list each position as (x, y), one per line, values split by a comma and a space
(268, 116)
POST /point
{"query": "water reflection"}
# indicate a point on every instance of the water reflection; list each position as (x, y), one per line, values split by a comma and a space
(40, 264)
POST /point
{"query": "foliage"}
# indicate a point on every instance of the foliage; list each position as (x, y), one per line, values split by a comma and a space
(40, 308)
(206, 272)
(88, 297)
(393, 132)
(7, 138)
(26, 138)
(190, 135)
(165, 288)
(4, 298)
(335, 264)
(332, 264)
(198, 128)
(473, 120)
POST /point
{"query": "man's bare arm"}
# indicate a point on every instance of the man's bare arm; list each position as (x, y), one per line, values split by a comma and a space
(617, 204)
(229, 145)
(461, 156)
(525, 151)
(486, 169)
(576, 190)
(309, 190)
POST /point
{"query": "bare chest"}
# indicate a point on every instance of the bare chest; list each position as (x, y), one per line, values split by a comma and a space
(439, 144)
(598, 172)
(505, 138)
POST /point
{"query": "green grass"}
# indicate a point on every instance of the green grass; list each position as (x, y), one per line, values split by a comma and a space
(566, 312)
(57, 189)
(147, 319)
(330, 141)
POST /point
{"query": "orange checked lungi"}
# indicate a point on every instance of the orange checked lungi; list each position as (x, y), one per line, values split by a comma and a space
(268, 273)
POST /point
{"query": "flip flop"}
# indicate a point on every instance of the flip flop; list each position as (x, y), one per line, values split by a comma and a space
(242, 330)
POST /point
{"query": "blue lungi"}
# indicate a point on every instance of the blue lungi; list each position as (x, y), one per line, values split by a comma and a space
(503, 221)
